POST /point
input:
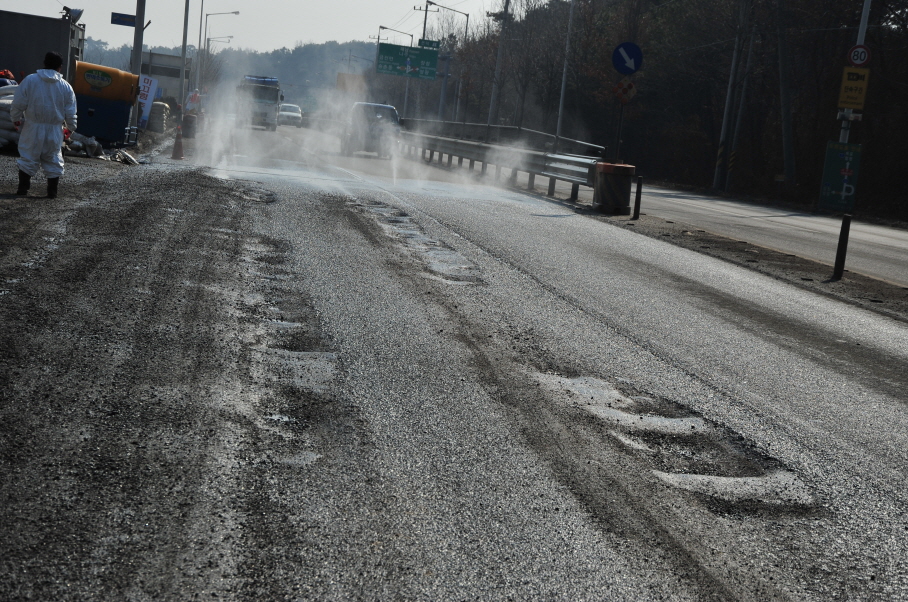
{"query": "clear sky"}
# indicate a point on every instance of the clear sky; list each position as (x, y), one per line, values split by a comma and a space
(261, 25)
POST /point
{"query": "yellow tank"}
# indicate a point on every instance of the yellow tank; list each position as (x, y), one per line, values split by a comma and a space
(105, 82)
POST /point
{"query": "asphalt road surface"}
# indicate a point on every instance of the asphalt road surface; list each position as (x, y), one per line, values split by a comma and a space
(875, 250)
(269, 372)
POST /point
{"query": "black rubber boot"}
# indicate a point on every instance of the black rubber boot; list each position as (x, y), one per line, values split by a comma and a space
(52, 184)
(25, 182)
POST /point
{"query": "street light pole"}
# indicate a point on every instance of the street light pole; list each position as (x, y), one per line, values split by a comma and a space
(444, 91)
(208, 41)
(199, 67)
(182, 98)
(466, 33)
(493, 106)
(198, 49)
(407, 87)
(564, 71)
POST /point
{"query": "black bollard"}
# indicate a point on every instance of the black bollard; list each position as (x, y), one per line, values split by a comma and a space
(839, 268)
(637, 198)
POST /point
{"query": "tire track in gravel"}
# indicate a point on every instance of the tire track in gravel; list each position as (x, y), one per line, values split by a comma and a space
(126, 410)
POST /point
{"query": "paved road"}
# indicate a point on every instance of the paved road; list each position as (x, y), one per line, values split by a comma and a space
(305, 376)
(877, 251)
(790, 481)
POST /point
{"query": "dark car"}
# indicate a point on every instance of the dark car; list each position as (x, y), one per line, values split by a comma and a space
(290, 115)
(371, 128)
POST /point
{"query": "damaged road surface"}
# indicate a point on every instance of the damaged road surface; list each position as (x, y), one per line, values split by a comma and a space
(283, 374)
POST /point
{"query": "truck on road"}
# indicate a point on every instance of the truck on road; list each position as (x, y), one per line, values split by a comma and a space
(258, 101)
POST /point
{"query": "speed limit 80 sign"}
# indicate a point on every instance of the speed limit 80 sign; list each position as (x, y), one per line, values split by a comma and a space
(859, 55)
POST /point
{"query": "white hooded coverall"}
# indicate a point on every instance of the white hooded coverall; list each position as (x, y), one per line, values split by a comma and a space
(42, 102)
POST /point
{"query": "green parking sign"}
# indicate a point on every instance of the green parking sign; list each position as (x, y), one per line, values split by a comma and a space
(840, 176)
(407, 61)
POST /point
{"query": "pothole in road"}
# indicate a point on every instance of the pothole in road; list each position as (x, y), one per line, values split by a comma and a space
(442, 261)
(310, 370)
(776, 488)
(300, 459)
(685, 450)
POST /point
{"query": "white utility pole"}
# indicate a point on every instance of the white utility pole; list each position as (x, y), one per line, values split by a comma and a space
(136, 59)
(198, 49)
(182, 97)
(493, 106)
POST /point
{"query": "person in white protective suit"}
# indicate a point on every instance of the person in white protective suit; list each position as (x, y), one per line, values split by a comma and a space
(42, 103)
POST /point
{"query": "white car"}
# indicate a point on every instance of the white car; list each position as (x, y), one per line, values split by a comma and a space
(290, 115)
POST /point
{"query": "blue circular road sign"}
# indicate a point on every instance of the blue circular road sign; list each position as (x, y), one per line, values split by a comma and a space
(627, 58)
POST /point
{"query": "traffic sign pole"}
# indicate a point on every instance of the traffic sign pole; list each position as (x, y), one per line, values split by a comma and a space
(564, 71)
(839, 268)
(627, 59)
(862, 33)
(729, 97)
(618, 134)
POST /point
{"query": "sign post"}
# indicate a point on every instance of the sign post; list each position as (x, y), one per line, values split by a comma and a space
(627, 59)
(851, 97)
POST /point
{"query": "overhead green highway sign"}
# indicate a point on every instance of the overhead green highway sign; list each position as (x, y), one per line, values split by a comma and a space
(407, 61)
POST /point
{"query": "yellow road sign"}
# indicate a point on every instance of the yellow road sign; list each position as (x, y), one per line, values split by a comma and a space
(854, 88)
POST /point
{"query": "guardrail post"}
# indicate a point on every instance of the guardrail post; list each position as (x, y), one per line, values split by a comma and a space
(450, 160)
(513, 179)
(551, 187)
(459, 161)
(485, 168)
(575, 189)
(497, 172)
(431, 155)
(531, 185)
(472, 161)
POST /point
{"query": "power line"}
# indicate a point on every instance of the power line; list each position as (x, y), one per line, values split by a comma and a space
(409, 14)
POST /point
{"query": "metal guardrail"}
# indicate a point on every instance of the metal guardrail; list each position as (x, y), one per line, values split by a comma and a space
(579, 170)
(502, 134)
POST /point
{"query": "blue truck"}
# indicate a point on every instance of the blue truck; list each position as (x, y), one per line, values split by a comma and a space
(258, 102)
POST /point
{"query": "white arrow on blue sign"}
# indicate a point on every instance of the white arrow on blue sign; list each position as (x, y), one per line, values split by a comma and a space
(627, 58)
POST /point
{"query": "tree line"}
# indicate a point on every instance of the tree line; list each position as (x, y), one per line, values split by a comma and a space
(786, 58)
